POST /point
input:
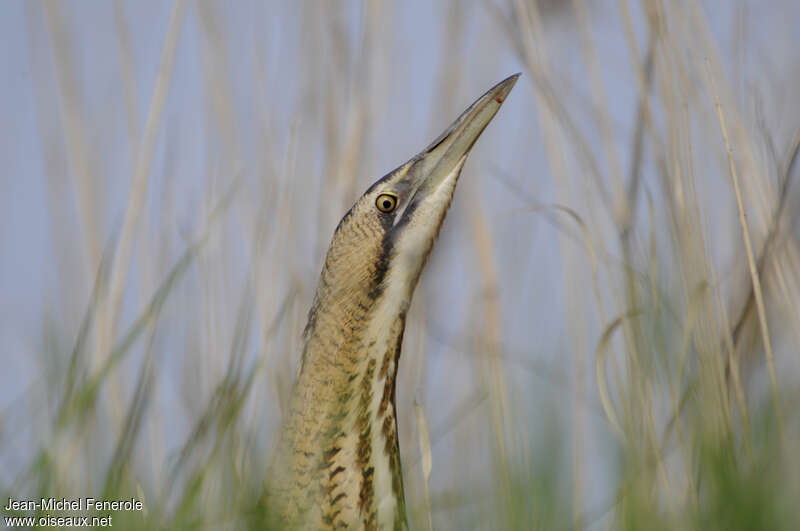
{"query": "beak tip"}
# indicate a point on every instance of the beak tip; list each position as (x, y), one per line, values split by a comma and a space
(502, 89)
(458, 139)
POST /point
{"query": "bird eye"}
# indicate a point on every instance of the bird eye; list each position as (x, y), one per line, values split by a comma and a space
(386, 202)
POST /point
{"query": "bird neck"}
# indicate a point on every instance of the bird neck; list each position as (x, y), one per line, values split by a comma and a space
(342, 422)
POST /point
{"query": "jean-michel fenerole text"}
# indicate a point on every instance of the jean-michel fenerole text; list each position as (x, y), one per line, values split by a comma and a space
(76, 504)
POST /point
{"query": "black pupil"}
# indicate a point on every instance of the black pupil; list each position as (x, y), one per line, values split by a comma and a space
(387, 204)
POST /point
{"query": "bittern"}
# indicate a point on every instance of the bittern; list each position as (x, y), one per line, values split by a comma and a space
(337, 463)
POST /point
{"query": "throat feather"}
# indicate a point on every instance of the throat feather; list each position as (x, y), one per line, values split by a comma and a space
(381, 497)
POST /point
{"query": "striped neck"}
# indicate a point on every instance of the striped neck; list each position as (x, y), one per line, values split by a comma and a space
(341, 460)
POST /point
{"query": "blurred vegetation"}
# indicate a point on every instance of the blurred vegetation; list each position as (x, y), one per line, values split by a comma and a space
(164, 356)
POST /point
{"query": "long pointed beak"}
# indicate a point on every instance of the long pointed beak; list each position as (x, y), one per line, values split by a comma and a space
(442, 156)
(425, 186)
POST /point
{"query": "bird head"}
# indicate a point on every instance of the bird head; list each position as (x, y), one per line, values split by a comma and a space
(382, 243)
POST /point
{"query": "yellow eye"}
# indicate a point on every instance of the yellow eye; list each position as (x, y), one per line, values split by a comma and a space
(386, 202)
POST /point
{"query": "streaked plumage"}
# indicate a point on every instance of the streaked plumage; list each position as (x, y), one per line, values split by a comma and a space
(337, 464)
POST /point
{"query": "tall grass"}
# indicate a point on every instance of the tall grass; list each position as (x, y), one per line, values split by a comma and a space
(605, 337)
